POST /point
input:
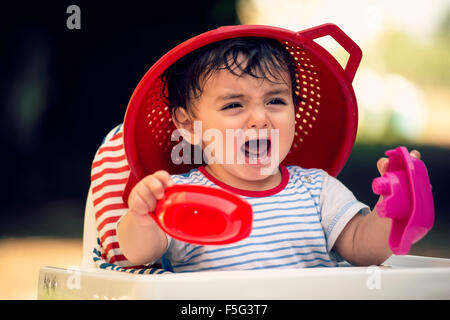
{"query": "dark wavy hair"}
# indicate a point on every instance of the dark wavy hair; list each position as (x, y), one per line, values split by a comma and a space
(264, 58)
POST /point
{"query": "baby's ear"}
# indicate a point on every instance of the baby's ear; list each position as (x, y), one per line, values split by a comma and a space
(184, 123)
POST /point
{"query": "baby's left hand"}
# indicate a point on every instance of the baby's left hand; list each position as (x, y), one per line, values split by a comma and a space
(383, 163)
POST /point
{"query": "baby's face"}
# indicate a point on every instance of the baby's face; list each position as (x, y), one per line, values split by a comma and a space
(233, 103)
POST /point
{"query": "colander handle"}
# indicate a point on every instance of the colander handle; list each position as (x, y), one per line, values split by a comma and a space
(329, 29)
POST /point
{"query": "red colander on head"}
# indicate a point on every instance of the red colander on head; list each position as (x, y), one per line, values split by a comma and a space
(326, 116)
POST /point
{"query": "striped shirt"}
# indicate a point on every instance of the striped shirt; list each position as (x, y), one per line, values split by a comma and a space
(294, 224)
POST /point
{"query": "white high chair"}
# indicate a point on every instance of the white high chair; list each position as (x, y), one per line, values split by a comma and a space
(400, 277)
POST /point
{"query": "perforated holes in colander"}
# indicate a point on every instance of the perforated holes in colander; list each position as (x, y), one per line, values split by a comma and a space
(307, 88)
(158, 116)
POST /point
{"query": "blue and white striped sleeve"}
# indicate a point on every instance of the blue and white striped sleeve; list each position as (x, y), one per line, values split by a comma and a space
(338, 206)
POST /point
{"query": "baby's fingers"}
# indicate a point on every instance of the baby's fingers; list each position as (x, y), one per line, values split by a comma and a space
(382, 165)
(142, 200)
(144, 196)
(157, 182)
(164, 177)
(416, 154)
(154, 187)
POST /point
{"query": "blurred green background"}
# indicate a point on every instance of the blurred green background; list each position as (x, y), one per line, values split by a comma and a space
(62, 90)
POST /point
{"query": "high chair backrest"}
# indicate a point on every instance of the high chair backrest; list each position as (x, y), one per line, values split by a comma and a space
(89, 233)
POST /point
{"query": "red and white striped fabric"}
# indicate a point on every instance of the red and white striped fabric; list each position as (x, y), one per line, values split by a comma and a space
(109, 175)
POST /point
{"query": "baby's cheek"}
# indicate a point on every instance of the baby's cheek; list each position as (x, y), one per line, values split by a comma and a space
(286, 137)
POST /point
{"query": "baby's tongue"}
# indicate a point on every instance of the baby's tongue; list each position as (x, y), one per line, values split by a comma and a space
(252, 147)
(255, 147)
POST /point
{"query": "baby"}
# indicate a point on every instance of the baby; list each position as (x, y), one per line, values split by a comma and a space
(301, 217)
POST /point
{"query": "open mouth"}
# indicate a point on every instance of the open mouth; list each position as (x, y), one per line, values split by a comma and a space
(257, 150)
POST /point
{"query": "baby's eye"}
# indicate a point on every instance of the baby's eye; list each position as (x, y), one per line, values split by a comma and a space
(232, 106)
(277, 101)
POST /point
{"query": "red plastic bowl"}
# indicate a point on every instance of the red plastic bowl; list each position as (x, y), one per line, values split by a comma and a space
(203, 215)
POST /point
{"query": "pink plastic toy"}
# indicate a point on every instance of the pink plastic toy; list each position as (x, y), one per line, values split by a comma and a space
(203, 215)
(407, 199)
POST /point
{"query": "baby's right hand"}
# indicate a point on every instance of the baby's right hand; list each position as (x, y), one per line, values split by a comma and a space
(144, 195)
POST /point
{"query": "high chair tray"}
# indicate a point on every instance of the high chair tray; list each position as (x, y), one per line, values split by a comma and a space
(400, 277)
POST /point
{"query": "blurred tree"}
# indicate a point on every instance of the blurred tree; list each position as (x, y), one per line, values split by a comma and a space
(425, 63)
(444, 28)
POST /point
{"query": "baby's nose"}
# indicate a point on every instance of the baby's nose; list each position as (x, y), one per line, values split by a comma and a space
(258, 120)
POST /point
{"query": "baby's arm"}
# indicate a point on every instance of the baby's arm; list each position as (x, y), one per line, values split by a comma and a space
(364, 240)
(140, 238)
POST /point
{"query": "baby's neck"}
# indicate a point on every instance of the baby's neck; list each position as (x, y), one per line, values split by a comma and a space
(267, 183)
